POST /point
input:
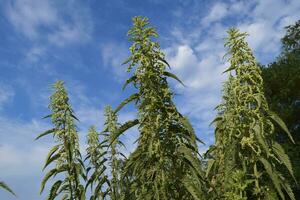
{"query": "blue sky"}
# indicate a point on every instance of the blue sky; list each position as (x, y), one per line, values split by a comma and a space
(84, 43)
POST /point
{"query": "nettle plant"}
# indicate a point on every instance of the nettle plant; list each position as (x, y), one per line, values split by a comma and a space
(115, 157)
(98, 180)
(243, 164)
(245, 157)
(104, 160)
(65, 156)
(165, 164)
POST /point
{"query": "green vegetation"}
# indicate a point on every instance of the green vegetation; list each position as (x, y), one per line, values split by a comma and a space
(96, 153)
(246, 155)
(111, 128)
(5, 187)
(166, 155)
(282, 83)
(65, 155)
(250, 159)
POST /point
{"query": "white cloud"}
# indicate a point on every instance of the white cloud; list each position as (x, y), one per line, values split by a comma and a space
(6, 95)
(68, 34)
(220, 10)
(113, 55)
(22, 158)
(35, 54)
(89, 115)
(19, 153)
(196, 73)
(28, 15)
(44, 19)
(262, 36)
(216, 13)
(273, 10)
(13, 160)
(266, 24)
(263, 20)
(184, 56)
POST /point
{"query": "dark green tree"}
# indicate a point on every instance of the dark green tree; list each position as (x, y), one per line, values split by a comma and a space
(291, 41)
(65, 155)
(244, 132)
(165, 164)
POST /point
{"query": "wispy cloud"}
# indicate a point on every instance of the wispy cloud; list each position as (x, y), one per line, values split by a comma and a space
(21, 147)
(43, 20)
(113, 55)
(29, 16)
(35, 54)
(6, 94)
(266, 22)
(216, 13)
(21, 157)
(13, 159)
(197, 73)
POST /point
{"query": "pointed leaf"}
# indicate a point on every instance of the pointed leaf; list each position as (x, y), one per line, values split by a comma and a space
(5, 187)
(126, 101)
(171, 75)
(279, 121)
(131, 79)
(45, 133)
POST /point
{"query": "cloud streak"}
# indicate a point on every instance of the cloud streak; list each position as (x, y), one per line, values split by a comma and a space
(44, 20)
(6, 95)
